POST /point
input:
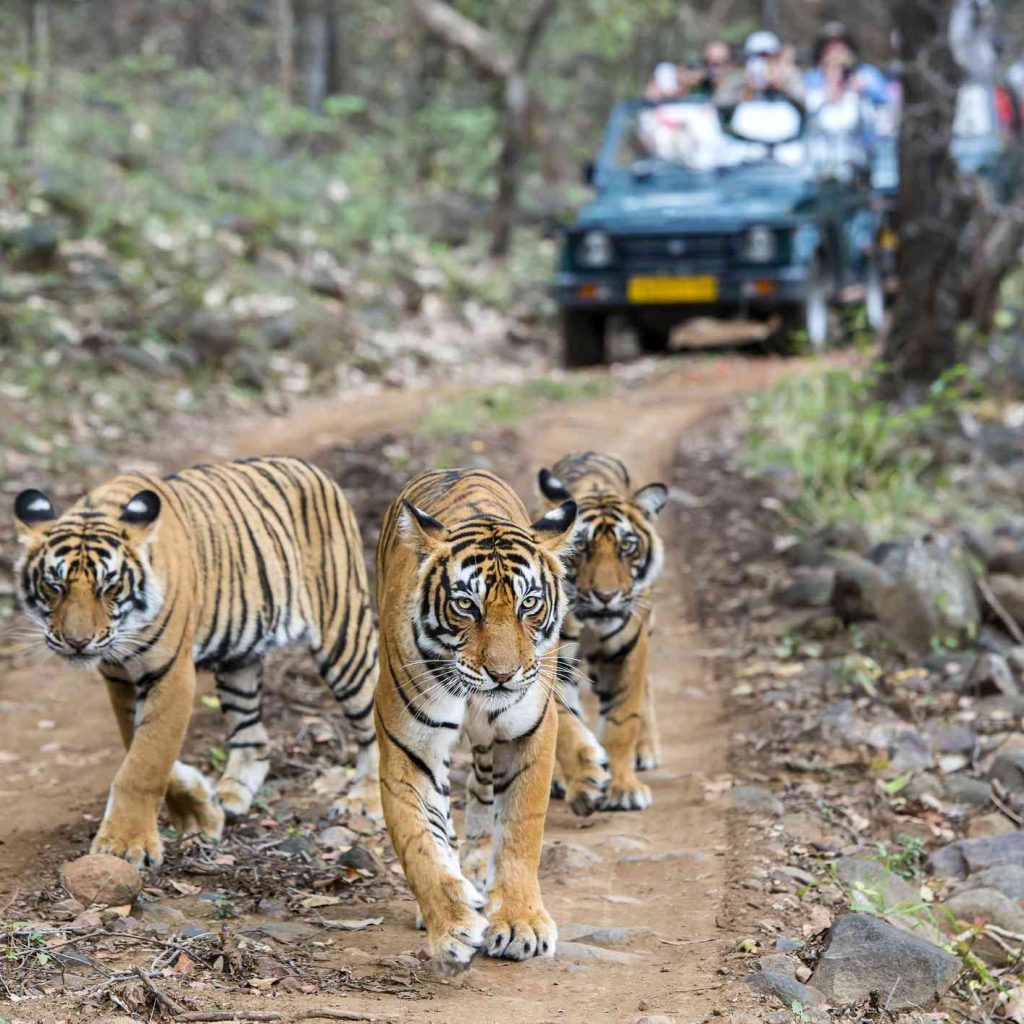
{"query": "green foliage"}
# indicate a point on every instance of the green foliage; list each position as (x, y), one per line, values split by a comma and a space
(854, 457)
(904, 857)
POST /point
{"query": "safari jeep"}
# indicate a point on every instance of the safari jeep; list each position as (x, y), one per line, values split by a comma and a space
(760, 216)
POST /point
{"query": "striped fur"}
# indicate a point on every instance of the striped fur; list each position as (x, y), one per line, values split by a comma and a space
(471, 604)
(149, 579)
(618, 557)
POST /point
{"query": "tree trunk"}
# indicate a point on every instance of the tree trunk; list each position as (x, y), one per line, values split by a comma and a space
(934, 206)
(197, 31)
(284, 45)
(25, 125)
(335, 66)
(314, 51)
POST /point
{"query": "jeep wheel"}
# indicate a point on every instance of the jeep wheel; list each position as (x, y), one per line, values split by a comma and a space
(583, 336)
(652, 339)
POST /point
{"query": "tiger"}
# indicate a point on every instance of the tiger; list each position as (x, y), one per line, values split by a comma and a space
(470, 601)
(618, 556)
(149, 580)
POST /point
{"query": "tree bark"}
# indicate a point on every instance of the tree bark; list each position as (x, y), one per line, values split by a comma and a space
(934, 206)
(197, 31)
(25, 124)
(284, 45)
(335, 67)
(314, 50)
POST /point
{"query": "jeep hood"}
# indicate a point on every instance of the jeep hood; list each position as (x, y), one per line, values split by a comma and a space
(723, 206)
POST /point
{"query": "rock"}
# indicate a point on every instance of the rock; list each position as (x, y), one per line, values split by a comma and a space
(950, 739)
(248, 368)
(811, 588)
(967, 790)
(966, 856)
(924, 592)
(756, 798)
(1009, 880)
(337, 836)
(655, 1018)
(597, 936)
(990, 674)
(1009, 592)
(580, 951)
(867, 958)
(986, 825)
(922, 787)
(212, 337)
(32, 248)
(161, 919)
(777, 976)
(362, 859)
(666, 855)
(908, 752)
(991, 907)
(101, 878)
(854, 576)
(874, 884)
(1007, 767)
(567, 858)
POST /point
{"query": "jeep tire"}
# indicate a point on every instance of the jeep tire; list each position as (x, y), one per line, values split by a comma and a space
(583, 338)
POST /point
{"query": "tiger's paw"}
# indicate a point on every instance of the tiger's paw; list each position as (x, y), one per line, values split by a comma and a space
(361, 798)
(648, 757)
(240, 782)
(518, 934)
(142, 847)
(476, 861)
(627, 795)
(192, 805)
(454, 945)
(585, 793)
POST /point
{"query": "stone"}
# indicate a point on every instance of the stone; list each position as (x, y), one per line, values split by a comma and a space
(966, 790)
(990, 906)
(924, 592)
(598, 936)
(811, 588)
(985, 825)
(991, 674)
(778, 976)
(581, 951)
(567, 858)
(756, 798)
(32, 248)
(1007, 767)
(101, 878)
(337, 836)
(966, 856)
(867, 958)
(854, 576)
(161, 919)
(873, 884)
(1009, 880)
(656, 1018)
(950, 739)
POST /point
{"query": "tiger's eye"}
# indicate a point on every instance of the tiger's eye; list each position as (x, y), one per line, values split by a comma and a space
(530, 604)
(466, 605)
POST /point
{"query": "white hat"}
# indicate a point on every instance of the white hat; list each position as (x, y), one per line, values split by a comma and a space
(763, 42)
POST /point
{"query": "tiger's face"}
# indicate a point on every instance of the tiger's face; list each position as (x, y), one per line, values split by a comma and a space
(85, 578)
(617, 552)
(489, 601)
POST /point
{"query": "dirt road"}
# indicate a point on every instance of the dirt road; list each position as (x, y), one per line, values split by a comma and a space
(660, 873)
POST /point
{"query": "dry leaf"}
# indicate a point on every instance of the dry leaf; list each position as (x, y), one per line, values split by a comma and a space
(355, 925)
(318, 900)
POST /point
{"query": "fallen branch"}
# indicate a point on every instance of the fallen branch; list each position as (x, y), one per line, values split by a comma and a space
(997, 606)
(159, 996)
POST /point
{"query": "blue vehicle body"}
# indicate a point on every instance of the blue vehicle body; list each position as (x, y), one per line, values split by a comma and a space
(762, 238)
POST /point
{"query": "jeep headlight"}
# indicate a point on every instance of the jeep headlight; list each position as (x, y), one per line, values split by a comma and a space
(594, 250)
(759, 245)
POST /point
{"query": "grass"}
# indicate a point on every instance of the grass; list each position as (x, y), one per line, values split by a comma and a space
(854, 458)
(506, 404)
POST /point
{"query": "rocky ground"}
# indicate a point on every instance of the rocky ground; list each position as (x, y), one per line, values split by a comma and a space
(836, 833)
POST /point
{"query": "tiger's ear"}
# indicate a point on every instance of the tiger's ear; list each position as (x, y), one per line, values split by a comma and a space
(553, 531)
(651, 499)
(552, 488)
(420, 530)
(139, 516)
(33, 514)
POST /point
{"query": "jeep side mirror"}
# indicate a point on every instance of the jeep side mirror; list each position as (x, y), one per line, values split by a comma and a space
(588, 172)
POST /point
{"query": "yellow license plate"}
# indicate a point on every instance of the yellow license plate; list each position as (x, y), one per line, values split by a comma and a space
(888, 240)
(702, 288)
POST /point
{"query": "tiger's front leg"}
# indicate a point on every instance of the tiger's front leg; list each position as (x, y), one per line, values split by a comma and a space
(520, 926)
(582, 761)
(129, 826)
(476, 856)
(624, 706)
(415, 795)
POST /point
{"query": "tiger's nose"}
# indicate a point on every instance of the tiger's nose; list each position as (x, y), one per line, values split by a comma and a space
(499, 677)
(606, 596)
(77, 643)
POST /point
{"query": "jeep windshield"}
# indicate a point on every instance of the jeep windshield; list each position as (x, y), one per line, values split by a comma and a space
(682, 137)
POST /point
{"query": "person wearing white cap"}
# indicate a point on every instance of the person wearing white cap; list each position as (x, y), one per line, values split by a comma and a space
(768, 68)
